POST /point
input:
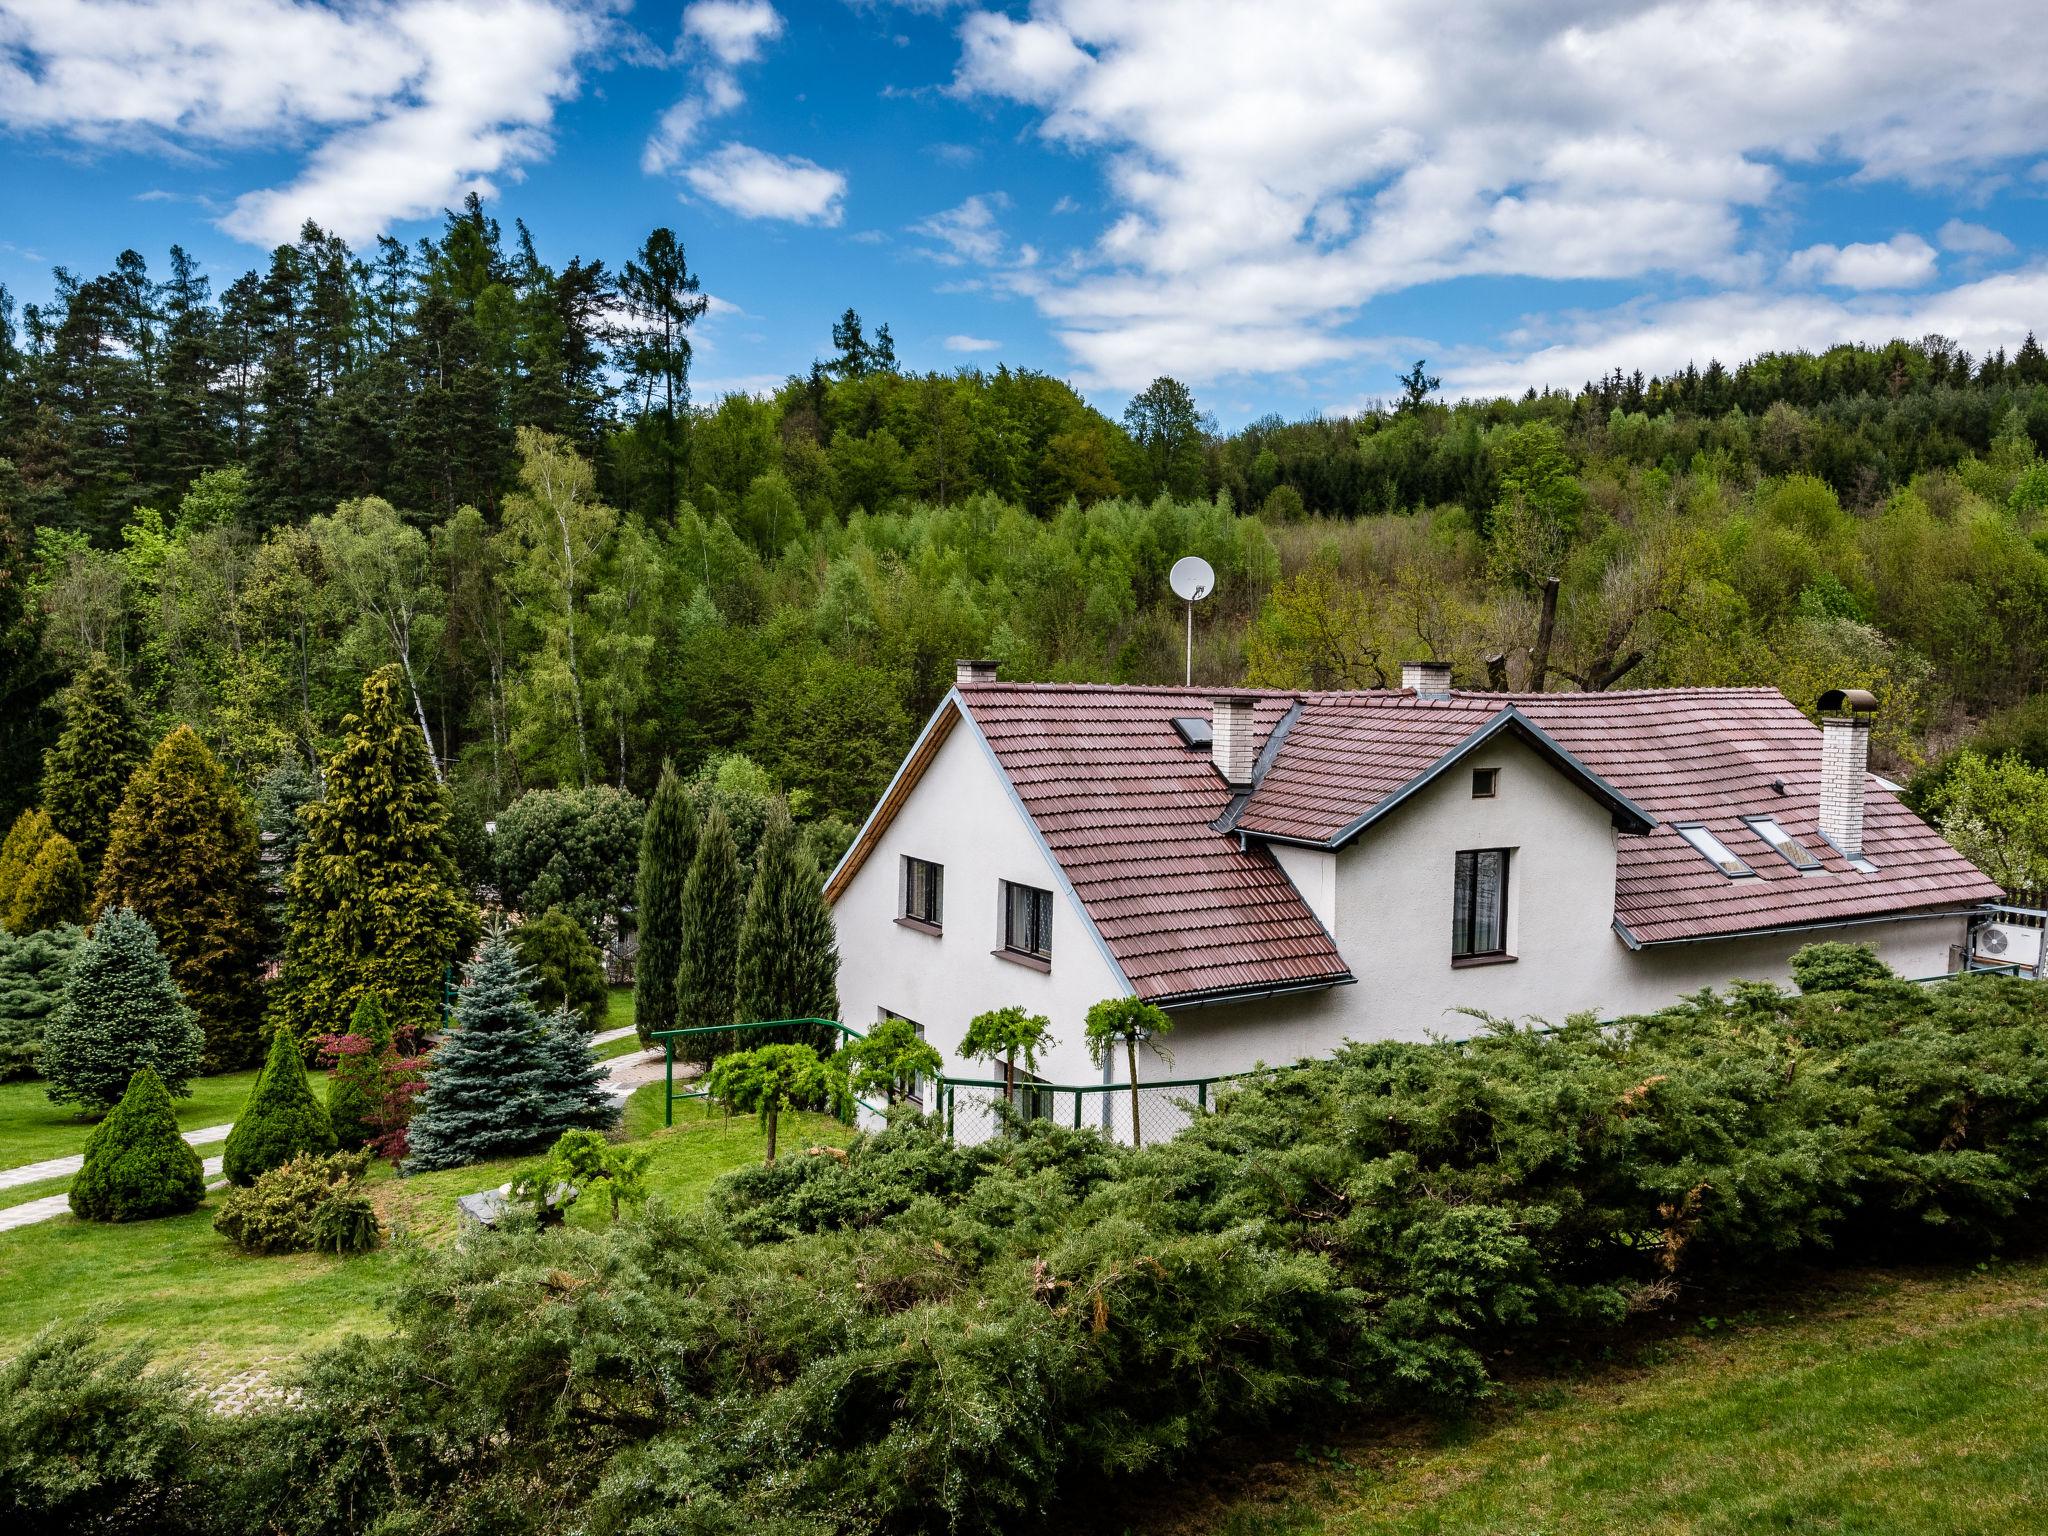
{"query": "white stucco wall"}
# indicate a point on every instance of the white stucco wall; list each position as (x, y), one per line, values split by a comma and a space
(961, 815)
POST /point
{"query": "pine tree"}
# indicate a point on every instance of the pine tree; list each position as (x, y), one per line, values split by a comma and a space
(24, 841)
(668, 842)
(52, 892)
(706, 976)
(121, 1011)
(788, 966)
(484, 1080)
(33, 970)
(572, 1085)
(137, 1165)
(355, 1088)
(567, 970)
(184, 853)
(86, 773)
(281, 1119)
(374, 902)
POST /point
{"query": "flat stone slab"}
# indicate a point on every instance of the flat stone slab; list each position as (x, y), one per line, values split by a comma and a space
(487, 1207)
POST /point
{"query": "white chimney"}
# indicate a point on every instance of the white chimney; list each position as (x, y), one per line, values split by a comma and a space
(1233, 744)
(1427, 679)
(965, 672)
(1844, 766)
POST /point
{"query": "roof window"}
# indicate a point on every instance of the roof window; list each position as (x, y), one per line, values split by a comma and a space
(1795, 853)
(1717, 852)
(1194, 731)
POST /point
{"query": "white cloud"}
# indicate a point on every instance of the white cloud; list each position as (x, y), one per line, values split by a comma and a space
(968, 232)
(731, 33)
(1275, 166)
(734, 30)
(1904, 261)
(409, 103)
(971, 344)
(759, 185)
(1967, 239)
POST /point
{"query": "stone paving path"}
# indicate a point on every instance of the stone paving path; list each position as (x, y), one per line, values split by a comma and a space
(62, 1167)
(606, 1037)
(29, 1212)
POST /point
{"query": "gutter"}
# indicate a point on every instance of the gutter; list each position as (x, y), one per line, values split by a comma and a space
(1909, 914)
(1252, 992)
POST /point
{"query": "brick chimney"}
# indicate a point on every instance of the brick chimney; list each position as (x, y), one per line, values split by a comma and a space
(1233, 744)
(965, 672)
(1427, 679)
(1845, 716)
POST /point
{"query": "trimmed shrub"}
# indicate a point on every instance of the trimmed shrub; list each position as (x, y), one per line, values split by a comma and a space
(33, 970)
(121, 1011)
(311, 1202)
(567, 970)
(85, 775)
(282, 1119)
(52, 890)
(137, 1165)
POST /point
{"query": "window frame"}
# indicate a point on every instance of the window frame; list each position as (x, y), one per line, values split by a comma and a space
(1039, 919)
(1465, 915)
(914, 1094)
(1785, 848)
(1490, 778)
(1742, 870)
(933, 892)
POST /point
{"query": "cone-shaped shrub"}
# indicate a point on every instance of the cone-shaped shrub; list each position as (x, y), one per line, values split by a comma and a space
(668, 841)
(52, 892)
(281, 1119)
(121, 1011)
(567, 970)
(86, 773)
(184, 853)
(136, 1163)
(484, 1080)
(354, 1090)
(712, 907)
(788, 955)
(24, 841)
(571, 1094)
(33, 970)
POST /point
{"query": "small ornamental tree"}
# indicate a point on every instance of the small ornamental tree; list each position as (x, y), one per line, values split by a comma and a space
(281, 1120)
(184, 853)
(121, 1012)
(712, 897)
(582, 1160)
(1010, 1035)
(353, 1088)
(774, 1078)
(137, 1164)
(33, 971)
(788, 960)
(567, 970)
(374, 902)
(52, 890)
(24, 841)
(484, 1081)
(890, 1060)
(668, 842)
(85, 775)
(1126, 1021)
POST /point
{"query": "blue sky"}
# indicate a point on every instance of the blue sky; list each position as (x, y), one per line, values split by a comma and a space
(1281, 203)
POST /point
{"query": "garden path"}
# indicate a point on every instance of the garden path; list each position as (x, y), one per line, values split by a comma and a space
(63, 1167)
(29, 1212)
(606, 1037)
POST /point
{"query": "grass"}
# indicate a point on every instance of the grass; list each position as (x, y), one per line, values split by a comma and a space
(33, 1129)
(1880, 1405)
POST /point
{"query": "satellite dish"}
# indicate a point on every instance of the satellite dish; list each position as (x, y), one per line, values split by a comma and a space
(1192, 578)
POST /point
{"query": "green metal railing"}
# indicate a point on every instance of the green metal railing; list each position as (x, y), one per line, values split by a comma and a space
(669, 1037)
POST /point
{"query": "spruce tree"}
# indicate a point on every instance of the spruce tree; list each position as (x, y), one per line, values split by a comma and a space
(567, 970)
(788, 954)
(484, 1080)
(33, 970)
(706, 976)
(281, 1119)
(52, 892)
(137, 1165)
(668, 842)
(184, 853)
(572, 1084)
(355, 1088)
(121, 1011)
(86, 773)
(374, 903)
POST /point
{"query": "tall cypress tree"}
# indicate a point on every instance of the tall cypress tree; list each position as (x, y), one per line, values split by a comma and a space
(121, 1011)
(668, 842)
(788, 954)
(184, 853)
(485, 1080)
(86, 773)
(706, 976)
(374, 902)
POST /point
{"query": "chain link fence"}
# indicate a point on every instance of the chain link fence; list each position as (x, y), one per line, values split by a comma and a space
(974, 1109)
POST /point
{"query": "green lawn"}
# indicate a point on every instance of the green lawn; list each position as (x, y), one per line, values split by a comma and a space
(1881, 1406)
(32, 1128)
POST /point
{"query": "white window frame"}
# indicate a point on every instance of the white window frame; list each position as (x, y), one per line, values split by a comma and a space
(1707, 843)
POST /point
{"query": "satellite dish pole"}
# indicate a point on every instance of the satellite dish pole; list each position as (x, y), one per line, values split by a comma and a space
(1192, 580)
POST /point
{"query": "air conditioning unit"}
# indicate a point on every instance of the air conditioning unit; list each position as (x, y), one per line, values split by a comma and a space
(2002, 943)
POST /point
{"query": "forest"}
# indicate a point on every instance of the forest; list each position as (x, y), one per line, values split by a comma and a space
(489, 472)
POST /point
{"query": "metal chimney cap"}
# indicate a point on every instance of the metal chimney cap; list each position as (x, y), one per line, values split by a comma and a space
(1854, 701)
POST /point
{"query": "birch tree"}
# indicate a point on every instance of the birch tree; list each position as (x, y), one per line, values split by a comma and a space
(383, 576)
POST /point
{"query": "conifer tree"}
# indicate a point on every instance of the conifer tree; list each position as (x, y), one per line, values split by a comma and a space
(374, 902)
(485, 1079)
(184, 853)
(706, 977)
(24, 841)
(86, 773)
(52, 892)
(668, 842)
(788, 966)
(121, 1011)
(355, 1088)
(572, 1092)
(33, 970)
(567, 970)
(281, 1119)
(137, 1165)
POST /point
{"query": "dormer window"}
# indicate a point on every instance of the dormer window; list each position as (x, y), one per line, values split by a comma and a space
(1717, 853)
(1795, 853)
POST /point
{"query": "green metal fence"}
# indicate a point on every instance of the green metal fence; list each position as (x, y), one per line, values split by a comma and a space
(669, 1037)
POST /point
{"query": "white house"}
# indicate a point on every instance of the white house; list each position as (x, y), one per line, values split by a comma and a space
(1283, 872)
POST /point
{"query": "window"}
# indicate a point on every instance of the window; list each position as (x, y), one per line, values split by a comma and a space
(912, 1089)
(1717, 852)
(1796, 853)
(1027, 921)
(1484, 782)
(924, 892)
(1479, 915)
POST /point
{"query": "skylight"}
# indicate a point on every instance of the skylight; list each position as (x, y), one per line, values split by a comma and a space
(1194, 730)
(1796, 853)
(1717, 852)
